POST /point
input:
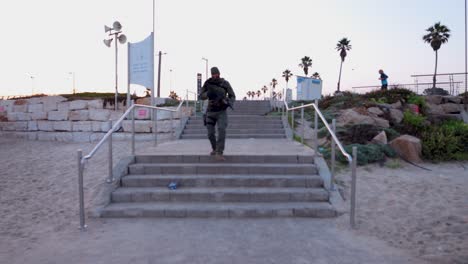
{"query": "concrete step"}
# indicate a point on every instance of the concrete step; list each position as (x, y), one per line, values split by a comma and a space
(200, 159)
(237, 131)
(219, 195)
(237, 126)
(245, 136)
(223, 169)
(234, 210)
(223, 181)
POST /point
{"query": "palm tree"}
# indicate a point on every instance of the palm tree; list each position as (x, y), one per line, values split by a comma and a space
(343, 46)
(273, 83)
(249, 94)
(306, 63)
(259, 93)
(316, 75)
(287, 74)
(253, 94)
(264, 89)
(438, 35)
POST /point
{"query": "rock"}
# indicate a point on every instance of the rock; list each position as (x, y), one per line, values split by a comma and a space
(78, 105)
(143, 101)
(350, 117)
(99, 114)
(63, 106)
(32, 126)
(375, 111)
(100, 126)
(51, 102)
(62, 126)
(20, 108)
(32, 108)
(408, 147)
(396, 115)
(39, 116)
(166, 126)
(396, 105)
(45, 125)
(78, 115)
(381, 138)
(438, 119)
(434, 99)
(21, 102)
(141, 126)
(452, 108)
(81, 136)
(434, 109)
(95, 104)
(18, 116)
(57, 115)
(83, 126)
(452, 99)
(64, 136)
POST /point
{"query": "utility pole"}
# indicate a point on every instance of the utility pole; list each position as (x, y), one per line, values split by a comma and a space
(159, 73)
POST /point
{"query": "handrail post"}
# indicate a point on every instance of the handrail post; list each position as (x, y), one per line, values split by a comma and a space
(172, 125)
(353, 189)
(303, 125)
(110, 177)
(133, 131)
(333, 155)
(293, 122)
(316, 127)
(155, 126)
(81, 191)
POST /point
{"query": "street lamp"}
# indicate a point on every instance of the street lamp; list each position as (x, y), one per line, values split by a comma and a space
(32, 82)
(72, 74)
(160, 54)
(115, 32)
(206, 61)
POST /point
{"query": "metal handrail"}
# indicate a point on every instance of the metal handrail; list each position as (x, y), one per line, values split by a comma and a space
(351, 159)
(108, 137)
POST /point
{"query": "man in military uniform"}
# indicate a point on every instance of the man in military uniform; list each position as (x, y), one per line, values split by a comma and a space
(220, 96)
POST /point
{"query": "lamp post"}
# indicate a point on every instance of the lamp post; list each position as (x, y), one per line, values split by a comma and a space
(72, 74)
(115, 33)
(206, 63)
(160, 54)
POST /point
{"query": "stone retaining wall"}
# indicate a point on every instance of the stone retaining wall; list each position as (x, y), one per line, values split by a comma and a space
(55, 118)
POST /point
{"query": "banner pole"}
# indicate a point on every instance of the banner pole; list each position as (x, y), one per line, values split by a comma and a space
(128, 75)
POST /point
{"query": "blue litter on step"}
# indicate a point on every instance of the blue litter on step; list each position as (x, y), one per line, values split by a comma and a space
(173, 186)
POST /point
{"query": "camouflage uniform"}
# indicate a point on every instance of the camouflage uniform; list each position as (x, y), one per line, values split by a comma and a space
(219, 94)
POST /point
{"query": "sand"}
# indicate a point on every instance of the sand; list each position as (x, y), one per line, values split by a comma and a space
(404, 212)
(410, 208)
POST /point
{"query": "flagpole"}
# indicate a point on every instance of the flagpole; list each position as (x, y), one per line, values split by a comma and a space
(153, 101)
(128, 75)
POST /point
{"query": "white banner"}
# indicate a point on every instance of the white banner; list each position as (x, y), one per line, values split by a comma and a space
(141, 62)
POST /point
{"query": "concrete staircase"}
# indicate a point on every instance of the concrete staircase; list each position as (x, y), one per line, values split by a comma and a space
(242, 186)
(248, 120)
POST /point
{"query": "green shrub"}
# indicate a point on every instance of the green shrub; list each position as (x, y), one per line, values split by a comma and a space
(389, 96)
(413, 124)
(391, 133)
(439, 144)
(417, 100)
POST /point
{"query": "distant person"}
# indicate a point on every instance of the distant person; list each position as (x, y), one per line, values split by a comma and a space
(383, 78)
(220, 96)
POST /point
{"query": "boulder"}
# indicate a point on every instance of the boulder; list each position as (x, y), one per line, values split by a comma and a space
(143, 101)
(63, 106)
(21, 102)
(396, 115)
(452, 108)
(23, 108)
(78, 115)
(100, 126)
(33, 108)
(57, 115)
(46, 136)
(18, 116)
(166, 126)
(51, 102)
(351, 117)
(396, 105)
(434, 109)
(39, 116)
(381, 138)
(82, 126)
(32, 126)
(95, 104)
(408, 147)
(375, 111)
(116, 115)
(45, 125)
(81, 136)
(164, 115)
(141, 126)
(452, 99)
(78, 105)
(99, 114)
(64, 136)
(62, 126)
(434, 99)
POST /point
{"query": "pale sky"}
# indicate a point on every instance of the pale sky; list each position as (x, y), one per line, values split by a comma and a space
(250, 41)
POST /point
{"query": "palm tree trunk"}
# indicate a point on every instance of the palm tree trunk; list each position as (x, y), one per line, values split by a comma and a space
(339, 78)
(435, 71)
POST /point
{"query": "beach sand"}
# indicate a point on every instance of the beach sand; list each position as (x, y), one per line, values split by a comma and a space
(415, 211)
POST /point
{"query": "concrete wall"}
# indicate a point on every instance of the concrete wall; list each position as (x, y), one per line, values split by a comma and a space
(55, 118)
